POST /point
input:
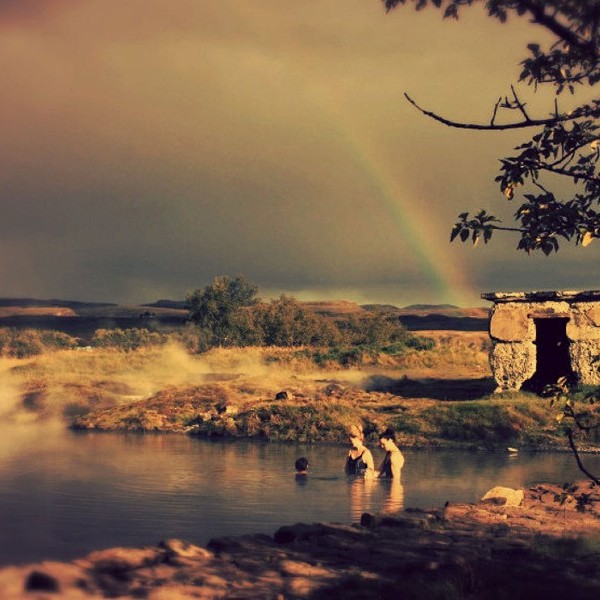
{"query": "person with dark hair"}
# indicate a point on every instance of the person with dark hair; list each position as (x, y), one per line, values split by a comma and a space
(392, 463)
(359, 460)
(301, 465)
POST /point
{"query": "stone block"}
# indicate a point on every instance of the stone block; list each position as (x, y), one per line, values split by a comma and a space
(512, 364)
(510, 324)
(593, 314)
(585, 361)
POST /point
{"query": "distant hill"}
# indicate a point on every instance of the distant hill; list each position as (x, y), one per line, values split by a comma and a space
(333, 307)
(83, 318)
(381, 308)
(33, 302)
(176, 304)
(433, 307)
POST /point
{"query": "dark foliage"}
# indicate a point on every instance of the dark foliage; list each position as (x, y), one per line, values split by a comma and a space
(555, 169)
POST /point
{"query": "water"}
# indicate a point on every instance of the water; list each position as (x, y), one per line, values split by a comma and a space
(65, 494)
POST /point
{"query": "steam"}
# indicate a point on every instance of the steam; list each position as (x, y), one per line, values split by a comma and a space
(10, 391)
(62, 385)
(55, 388)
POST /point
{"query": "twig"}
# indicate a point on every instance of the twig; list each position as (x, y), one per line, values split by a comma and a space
(579, 463)
(519, 104)
(495, 110)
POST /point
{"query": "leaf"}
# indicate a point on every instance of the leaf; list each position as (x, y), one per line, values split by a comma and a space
(586, 238)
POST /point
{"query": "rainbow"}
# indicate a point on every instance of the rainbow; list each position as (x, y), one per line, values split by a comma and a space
(443, 270)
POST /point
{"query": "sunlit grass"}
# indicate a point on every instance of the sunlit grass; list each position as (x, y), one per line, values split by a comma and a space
(431, 397)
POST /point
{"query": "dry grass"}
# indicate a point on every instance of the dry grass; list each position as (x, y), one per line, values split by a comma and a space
(234, 392)
(117, 377)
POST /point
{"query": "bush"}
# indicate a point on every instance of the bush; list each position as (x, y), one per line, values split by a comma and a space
(420, 343)
(193, 338)
(284, 322)
(127, 339)
(57, 340)
(21, 343)
(372, 330)
(344, 356)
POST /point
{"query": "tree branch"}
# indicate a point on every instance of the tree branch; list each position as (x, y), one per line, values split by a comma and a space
(567, 173)
(492, 126)
(578, 459)
(514, 229)
(550, 22)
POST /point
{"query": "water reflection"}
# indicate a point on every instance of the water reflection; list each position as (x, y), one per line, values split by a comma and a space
(371, 495)
(66, 494)
(395, 497)
(361, 496)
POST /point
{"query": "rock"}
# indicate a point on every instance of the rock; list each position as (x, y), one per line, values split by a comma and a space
(333, 389)
(503, 496)
(121, 560)
(283, 395)
(462, 550)
(368, 520)
(38, 581)
(300, 531)
(180, 549)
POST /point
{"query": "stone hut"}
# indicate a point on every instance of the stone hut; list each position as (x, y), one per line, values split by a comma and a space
(538, 337)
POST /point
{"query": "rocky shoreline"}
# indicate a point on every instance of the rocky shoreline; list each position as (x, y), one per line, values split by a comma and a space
(543, 541)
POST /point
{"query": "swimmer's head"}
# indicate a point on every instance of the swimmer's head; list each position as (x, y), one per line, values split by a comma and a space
(301, 464)
(387, 437)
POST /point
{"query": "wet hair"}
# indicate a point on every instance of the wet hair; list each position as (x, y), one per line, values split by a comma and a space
(388, 434)
(301, 463)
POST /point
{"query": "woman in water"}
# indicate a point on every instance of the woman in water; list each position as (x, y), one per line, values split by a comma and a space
(359, 460)
(392, 463)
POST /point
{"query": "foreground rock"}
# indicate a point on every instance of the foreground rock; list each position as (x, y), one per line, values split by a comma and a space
(545, 546)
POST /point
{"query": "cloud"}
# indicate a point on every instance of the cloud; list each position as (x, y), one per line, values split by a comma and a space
(150, 145)
(26, 12)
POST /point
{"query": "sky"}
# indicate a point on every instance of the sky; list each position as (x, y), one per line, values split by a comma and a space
(151, 145)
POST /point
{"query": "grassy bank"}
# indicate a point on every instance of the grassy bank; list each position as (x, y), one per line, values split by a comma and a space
(441, 396)
(324, 412)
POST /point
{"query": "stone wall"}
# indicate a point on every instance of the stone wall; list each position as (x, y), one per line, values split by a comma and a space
(512, 328)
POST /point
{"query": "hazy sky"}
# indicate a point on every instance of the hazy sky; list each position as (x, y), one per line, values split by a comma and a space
(149, 145)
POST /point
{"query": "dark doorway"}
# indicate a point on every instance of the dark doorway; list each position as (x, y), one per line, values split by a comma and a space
(552, 352)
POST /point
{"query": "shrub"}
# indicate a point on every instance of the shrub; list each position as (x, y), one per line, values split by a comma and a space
(21, 343)
(284, 322)
(344, 356)
(127, 339)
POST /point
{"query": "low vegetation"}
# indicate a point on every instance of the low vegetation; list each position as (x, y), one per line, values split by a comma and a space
(276, 371)
(20, 343)
(437, 395)
(323, 411)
